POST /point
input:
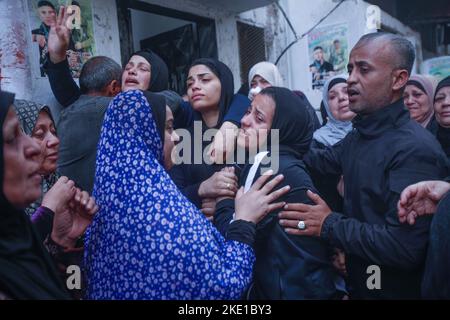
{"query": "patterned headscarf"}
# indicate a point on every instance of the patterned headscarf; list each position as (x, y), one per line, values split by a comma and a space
(28, 114)
(148, 241)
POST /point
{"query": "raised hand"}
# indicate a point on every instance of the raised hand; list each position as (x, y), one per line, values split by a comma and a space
(224, 143)
(59, 37)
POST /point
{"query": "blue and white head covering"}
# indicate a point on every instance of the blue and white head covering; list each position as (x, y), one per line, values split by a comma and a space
(335, 130)
(148, 241)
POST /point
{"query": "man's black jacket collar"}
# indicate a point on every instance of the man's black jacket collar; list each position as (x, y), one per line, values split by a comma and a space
(389, 117)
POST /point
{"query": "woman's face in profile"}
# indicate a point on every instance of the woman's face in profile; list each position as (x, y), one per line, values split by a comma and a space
(21, 181)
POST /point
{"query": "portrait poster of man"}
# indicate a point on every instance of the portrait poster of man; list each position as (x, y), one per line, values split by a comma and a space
(328, 52)
(82, 46)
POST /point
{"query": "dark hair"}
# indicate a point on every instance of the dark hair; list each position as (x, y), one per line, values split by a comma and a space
(75, 3)
(336, 41)
(269, 91)
(400, 46)
(97, 73)
(44, 3)
(317, 48)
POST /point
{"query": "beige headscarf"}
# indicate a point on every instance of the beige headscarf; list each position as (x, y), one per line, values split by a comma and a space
(268, 71)
(424, 84)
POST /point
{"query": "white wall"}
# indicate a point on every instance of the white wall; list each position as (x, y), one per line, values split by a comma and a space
(303, 15)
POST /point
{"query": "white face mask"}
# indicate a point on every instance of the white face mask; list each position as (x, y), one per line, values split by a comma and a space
(253, 92)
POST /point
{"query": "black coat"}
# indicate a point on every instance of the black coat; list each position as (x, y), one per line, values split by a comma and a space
(436, 278)
(286, 267)
(327, 187)
(386, 153)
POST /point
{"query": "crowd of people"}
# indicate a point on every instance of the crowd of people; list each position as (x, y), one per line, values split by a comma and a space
(268, 203)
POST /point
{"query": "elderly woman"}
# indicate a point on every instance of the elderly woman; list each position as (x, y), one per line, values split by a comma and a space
(418, 98)
(26, 268)
(339, 117)
(442, 114)
(37, 122)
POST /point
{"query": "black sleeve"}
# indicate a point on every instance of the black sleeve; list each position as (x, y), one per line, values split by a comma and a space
(180, 177)
(223, 215)
(242, 231)
(64, 88)
(392, 243)
(326, 161)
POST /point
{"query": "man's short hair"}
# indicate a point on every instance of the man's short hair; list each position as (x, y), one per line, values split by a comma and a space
(318, 48)
(44, 3)
(97, 73)
(336, 41)
(401, 47)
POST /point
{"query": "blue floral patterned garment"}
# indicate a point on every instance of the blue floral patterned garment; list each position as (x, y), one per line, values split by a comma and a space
(148, 241)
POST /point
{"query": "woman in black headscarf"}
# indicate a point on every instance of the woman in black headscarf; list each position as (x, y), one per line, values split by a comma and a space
(26, 269)
(210, 91)
(442, 114)
(287, 267)
(145, 70)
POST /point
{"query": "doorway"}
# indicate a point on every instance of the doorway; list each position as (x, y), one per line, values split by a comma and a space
(177, 37)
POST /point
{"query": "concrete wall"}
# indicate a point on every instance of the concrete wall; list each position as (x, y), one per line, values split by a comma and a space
(15, 38)
(19, 52)
(303, 16)
(226, 30)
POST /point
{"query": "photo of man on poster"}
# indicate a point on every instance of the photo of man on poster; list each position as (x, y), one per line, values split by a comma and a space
(320, 68)
(47, 12)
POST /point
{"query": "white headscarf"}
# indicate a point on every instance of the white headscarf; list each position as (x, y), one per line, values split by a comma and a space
(335, 130)
(265, 70)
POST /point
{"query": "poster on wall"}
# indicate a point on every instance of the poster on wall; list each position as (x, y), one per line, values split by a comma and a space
(81, 46)
(437, 67)
(328, 53)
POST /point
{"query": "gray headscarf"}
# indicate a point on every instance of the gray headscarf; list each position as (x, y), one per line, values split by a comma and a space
(335, 130)
(28, 114)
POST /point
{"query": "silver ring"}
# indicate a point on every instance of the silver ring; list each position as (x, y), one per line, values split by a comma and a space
(228, 186)
(301, 225)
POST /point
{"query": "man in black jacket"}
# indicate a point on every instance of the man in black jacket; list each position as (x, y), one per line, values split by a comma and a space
(384, 154)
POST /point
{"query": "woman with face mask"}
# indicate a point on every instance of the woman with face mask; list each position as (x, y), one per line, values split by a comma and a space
(148, 241)
(287, 267)
(265, 74)
(26, 268)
